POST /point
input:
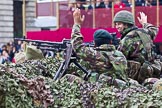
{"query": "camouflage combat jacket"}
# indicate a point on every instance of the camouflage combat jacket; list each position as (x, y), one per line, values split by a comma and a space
(103, 59)
(135, 48)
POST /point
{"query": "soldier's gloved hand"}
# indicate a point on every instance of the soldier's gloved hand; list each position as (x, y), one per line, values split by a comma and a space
(78, 19)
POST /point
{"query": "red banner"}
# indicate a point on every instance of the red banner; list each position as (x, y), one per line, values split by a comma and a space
(60, 34)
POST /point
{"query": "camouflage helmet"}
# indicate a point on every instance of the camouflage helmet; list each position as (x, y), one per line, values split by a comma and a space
(124, 16)
(158, 85)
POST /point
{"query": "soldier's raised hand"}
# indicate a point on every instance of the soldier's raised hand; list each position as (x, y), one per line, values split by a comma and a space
(78, 18)
(143, 18)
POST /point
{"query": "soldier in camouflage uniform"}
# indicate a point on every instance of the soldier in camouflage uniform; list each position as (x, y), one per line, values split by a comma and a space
(137, 45)
(103, 58)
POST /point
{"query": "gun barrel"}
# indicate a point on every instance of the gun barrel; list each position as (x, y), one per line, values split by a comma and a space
(41, 43)
(50, 48)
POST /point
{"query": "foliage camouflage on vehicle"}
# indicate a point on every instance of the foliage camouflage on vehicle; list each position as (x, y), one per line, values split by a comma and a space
(31, 85)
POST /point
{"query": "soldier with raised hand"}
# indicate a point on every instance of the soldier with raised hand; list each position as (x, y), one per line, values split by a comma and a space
(103, 58)
(137, 45)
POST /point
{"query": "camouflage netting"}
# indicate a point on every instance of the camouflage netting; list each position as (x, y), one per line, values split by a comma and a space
(31, 85)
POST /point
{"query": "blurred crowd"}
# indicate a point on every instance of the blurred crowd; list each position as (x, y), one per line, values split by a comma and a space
(8, 51)
(89, 4)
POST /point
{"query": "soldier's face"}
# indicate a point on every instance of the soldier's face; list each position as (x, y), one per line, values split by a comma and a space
(119, 26)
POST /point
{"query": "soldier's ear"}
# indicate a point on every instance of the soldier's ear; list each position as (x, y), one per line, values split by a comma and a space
(126, 25)
(94, 44)
(110, 42)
